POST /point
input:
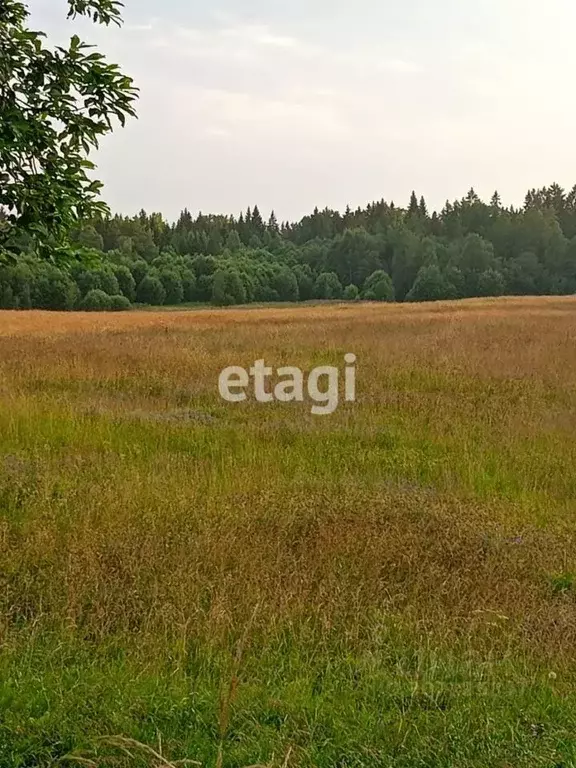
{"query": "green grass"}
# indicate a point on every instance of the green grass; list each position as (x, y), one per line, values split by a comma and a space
(401, 705)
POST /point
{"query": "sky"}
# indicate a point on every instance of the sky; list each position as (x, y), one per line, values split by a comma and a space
(292, 105)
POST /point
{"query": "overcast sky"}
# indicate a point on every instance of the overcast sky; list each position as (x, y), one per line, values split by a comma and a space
(331, 102)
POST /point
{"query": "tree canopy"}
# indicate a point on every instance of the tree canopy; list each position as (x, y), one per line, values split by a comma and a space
(55, 105)
(379, 253)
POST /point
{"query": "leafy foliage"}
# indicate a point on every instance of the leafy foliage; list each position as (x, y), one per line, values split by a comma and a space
(96, 301)
(328, 286)
(228, 288)
(430, 285)
(151, 291)
(55, 106)
(379, 287)
(380, 253)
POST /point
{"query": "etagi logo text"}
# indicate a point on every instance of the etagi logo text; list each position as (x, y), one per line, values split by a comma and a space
(322, 386)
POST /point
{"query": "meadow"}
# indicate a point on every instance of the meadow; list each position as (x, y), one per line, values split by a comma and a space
(185, 581)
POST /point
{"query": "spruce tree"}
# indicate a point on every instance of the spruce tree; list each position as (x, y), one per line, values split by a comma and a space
(413, 207)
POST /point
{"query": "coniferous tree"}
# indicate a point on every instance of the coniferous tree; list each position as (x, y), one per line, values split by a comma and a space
(233, 242)
(470, 248)
(413, 207)
(257, 227)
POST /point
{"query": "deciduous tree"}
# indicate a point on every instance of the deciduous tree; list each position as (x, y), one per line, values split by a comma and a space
(56, 103)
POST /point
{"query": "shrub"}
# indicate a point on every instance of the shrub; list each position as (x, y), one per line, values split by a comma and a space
(204, 287)
(305, 282)
(54, 290)
(430, 285)
(491, 283)
(7, 299)
(108, 282)
(95, 301)
(285, 284)
(328, 286)
(189, 285)
(119, 303)
(173, 287)
(151, 291)
(126, 282)
(351, 292)
(228, 288)
(379, 287)
(139, 270)
(101, 278)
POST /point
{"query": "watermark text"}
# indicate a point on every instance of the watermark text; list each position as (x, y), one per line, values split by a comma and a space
(321, 386)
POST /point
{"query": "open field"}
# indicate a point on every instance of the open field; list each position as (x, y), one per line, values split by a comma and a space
(241, 584)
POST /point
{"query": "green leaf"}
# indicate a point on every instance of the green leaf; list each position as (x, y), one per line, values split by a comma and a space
(54, 106)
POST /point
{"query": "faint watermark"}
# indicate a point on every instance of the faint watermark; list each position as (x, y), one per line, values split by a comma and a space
(291, 385)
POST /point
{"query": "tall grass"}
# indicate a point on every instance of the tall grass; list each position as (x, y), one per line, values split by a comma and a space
(185, 579)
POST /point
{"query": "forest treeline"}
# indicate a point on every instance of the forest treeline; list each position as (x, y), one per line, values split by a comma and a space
(378, 253)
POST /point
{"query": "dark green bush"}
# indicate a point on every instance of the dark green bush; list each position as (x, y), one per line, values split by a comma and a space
(96, 301)
(119, 304)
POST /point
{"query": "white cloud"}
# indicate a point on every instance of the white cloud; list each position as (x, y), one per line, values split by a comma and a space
(245, 114)
(260, 35)
(240, 42)
(217, 132)
(400, 66)
(260, 41)
(139, 28)
(251, 80)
